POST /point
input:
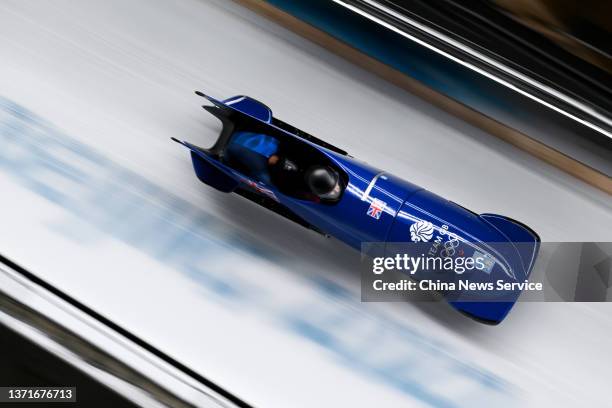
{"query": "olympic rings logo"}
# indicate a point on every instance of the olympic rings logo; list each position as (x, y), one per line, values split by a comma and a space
(450, 247)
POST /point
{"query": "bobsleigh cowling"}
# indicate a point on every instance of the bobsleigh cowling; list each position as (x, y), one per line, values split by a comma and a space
(371, 206)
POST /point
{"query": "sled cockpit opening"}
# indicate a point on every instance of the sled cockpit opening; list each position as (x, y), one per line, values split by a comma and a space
(294, 168)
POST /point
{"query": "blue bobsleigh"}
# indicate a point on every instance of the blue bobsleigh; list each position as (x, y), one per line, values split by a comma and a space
(323, 188)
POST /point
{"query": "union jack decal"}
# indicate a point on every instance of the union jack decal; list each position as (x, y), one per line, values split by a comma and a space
(376, 208)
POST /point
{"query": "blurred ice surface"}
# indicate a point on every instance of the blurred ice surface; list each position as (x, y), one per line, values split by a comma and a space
(102, 201)
(102, 205)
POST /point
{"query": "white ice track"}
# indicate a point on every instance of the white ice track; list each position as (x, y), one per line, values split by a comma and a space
(118, 76)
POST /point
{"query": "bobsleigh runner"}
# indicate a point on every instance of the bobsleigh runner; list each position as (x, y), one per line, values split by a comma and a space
(325, 189)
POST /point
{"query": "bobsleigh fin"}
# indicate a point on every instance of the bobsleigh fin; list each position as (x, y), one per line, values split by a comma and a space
(244, 104)
(208, 171)
(250, 106)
